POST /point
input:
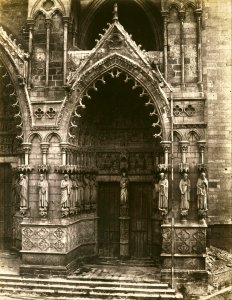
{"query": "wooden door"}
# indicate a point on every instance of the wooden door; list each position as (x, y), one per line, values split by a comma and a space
(108, 213)
(5, 206)
(140, 210)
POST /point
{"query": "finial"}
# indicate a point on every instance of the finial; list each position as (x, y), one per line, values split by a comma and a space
(115, 12)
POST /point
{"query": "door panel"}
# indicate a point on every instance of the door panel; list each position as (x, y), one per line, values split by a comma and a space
(108, 213)
(5, 206)
(140, 197)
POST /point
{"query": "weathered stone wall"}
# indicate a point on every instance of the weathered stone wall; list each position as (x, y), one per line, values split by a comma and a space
(13, 17)
(216, 49)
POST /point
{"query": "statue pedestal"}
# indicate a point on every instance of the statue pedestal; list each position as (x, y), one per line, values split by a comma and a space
(183, 251)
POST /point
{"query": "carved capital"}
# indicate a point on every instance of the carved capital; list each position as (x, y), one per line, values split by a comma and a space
(48, 23)
(30, 24)
(182, 15)
(43, 168)
(165, 15)
(201, 145)
(64, 146)
(166, 145)
(198, 12)
(162, 168)
(65, 21)
(44, 147)
(183, 168)
(184, 146)
(26, 147)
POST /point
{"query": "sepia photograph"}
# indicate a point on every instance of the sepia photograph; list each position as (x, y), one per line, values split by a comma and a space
(115, 149)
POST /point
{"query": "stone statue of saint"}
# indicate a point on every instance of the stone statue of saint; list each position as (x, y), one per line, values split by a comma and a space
(124, 189)
(87, 189)
(43, 191)
(163, 192)
(23, 194)
(80, 191)
(16, 192)
(73, 194)
(93, 189)
(185, 192)
(65, 191)
(202, 192)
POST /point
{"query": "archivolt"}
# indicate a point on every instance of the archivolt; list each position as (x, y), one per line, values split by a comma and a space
(116, 65)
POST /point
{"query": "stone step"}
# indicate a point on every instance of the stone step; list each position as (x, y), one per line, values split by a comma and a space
(95, 295)
(131, 262)
(87, 289)
(84, 288)
(90, 282)
(75, 278)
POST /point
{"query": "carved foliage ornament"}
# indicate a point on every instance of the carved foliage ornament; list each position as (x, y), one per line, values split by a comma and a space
(18, 56)
(13, 99)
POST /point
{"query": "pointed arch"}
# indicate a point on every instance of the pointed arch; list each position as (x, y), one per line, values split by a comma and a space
(50, 135)
(193, 135)
(115, 64)
(33, 135)
(154, 23)
(16, 89)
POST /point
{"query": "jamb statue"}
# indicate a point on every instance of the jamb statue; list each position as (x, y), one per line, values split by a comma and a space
(65, 195)
(202, 195)
(163, 192)
(124, 190)
(43, 192)
(185, 195)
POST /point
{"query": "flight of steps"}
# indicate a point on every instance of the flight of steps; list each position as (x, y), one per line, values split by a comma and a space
(80, 287)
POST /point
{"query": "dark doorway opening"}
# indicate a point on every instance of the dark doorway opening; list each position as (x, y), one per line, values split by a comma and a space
(6, 209)
(108, 225)
(140, 211)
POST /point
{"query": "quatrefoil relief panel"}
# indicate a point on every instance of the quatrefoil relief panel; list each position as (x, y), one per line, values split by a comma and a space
(189, 110)
(177, 110)
(39, 113)
(51, 113)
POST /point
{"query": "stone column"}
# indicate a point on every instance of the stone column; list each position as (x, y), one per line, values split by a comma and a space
(26, 149)
(44, 148)
(48, 33)
(184, 150)
(124, 218)
(182, 46)
(166, 145)
(64, 147)
(184, 166)
(30, 47)
(65, 23)
(165, 59)
(198, 13)
(201, 146)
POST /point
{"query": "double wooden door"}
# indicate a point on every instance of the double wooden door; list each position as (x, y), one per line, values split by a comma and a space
(5, 206)
(140, 228)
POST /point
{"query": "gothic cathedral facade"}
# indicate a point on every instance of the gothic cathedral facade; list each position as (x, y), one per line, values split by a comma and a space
(115, 132)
